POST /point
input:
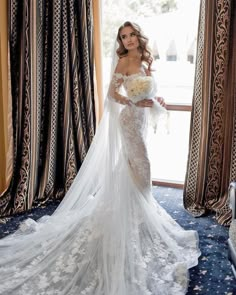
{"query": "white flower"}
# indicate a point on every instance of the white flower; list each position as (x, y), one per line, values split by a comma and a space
(69, 268)
(43, 281)
(140, 88)
(56, 278)
(28, 226)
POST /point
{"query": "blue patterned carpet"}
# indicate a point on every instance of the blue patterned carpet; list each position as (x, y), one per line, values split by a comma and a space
(212, 276)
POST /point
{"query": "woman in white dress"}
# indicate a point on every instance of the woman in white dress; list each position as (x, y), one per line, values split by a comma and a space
(108, 236)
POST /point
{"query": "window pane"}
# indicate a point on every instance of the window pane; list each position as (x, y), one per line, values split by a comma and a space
(168, 148)
(175, 81)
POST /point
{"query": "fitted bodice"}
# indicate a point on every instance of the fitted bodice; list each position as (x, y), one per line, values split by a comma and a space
(133, 124)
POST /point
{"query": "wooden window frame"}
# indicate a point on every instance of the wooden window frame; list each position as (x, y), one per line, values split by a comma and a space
(175, 184)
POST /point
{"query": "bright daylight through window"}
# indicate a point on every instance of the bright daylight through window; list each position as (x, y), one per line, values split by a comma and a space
(171, 26)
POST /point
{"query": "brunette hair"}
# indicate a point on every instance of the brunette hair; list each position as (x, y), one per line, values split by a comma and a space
(143, 48)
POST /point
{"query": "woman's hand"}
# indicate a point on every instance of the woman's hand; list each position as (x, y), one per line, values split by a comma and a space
(161, 101)
(148, 103)
(124, 100)
(145, 103)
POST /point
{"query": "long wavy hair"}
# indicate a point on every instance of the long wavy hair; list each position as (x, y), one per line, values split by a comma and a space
(143, 48)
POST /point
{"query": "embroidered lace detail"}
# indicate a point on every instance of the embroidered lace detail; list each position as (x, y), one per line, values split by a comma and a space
(151, 268)
(118, 241)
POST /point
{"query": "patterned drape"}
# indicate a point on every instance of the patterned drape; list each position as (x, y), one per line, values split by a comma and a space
(6, 138)
(51, 56)
(212, 149)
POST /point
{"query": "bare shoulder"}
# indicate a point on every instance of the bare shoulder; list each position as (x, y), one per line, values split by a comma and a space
(122, 65)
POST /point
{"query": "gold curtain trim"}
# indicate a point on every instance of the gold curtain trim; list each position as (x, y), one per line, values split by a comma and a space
(6, 139)
(98, 79)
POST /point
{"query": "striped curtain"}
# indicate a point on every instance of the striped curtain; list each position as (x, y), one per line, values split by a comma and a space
(212, 149)
(51, 57)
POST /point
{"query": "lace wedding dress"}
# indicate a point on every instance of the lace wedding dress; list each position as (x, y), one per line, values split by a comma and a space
(108, 236)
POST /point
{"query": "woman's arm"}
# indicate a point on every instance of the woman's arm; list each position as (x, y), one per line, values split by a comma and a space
(145, 103)
(148, 103)
(116, 83)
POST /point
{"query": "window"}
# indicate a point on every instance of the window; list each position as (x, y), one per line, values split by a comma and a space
(171, 26)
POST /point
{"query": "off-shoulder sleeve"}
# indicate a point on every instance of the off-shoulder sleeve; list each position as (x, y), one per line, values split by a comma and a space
(114, 92)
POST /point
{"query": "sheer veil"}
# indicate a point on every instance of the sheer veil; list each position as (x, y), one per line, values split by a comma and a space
(96, 188)
(107, 236)
(98, 168)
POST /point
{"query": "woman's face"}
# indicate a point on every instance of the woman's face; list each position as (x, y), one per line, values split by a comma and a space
(129, 38)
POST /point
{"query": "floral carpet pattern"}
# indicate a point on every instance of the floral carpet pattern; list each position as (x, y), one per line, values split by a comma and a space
(213, 274)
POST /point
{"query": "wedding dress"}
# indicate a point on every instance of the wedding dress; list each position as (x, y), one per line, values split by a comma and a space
(108, 236)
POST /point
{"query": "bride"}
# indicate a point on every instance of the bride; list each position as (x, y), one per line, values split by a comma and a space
(108, 236)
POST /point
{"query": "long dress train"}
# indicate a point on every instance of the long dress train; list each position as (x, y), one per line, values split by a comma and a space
(108, 236)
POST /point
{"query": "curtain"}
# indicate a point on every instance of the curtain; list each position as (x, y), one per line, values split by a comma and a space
(212, 147)
(98, 77)
(6, 140)
(51, 58)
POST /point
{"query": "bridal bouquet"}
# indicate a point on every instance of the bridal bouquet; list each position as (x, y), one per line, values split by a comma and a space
(140, 88)
(144, 87)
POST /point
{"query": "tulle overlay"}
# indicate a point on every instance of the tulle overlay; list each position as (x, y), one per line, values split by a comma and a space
(108, 236)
